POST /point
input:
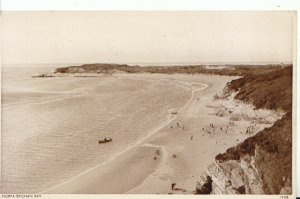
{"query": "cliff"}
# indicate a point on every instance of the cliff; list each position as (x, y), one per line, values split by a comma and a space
(262, 164)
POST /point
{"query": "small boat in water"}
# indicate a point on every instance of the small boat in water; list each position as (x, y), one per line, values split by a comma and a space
(42, 75)
(105, 140)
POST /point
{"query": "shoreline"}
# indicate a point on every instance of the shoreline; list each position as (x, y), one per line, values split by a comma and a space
(159, 180)
(185, 148)
(132, 146)
(69, 151)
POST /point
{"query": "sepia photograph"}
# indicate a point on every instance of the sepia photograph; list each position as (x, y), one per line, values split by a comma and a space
(148, 102)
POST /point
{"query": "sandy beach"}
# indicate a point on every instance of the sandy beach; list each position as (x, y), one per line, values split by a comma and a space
(161, 127)
(176, 151)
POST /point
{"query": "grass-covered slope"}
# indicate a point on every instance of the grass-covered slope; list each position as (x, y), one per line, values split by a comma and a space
(272, 147)
(271, 90)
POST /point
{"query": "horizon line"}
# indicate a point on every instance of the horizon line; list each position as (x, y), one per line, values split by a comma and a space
(155, 63)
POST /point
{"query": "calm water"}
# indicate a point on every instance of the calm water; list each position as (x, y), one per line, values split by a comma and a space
(50, 126)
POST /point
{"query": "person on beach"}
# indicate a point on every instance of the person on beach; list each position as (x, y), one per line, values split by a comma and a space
(191, 137)
(173, 186)
(247, 130)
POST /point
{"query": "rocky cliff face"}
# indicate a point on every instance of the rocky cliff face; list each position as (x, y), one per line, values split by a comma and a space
(262, 164)
(238, 177)
(233, 177)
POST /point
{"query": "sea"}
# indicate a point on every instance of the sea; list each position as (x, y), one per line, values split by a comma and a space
(50, 127)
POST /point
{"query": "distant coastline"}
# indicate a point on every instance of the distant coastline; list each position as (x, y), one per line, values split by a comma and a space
(215, 69)
(142, 64)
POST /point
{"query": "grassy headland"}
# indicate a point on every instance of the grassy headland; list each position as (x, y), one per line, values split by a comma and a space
(229, 69)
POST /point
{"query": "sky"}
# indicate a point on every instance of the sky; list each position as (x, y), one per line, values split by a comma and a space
(144, 37)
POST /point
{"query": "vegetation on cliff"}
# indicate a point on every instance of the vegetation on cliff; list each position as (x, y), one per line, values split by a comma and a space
(269, 90)
(272, 147)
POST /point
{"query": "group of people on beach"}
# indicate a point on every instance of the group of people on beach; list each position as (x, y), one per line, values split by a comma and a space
(212, 128)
